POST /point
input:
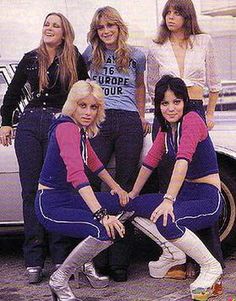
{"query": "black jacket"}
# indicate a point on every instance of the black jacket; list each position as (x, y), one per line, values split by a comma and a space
(27, 71)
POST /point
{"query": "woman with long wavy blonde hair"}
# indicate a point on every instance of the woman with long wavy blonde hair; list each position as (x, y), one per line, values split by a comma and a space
(50, 70)
(119, 69)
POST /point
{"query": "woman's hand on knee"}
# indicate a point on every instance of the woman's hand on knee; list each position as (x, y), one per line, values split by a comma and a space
(165, 209)
(112, 226)
(122, 194)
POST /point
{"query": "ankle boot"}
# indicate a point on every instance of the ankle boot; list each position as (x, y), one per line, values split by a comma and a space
(210, 269)
(171, 262)
(82, 253)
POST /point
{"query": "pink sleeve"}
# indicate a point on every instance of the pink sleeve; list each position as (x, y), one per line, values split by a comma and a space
(68, 139)
(94, 164)
(156, 152)
(194, 130)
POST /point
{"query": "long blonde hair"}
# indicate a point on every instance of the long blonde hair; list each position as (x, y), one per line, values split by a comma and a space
(187, 11)
(79, 91)
(67, 56)
(122, 52)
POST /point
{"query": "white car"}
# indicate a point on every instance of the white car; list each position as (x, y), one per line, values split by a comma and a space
(223, 135)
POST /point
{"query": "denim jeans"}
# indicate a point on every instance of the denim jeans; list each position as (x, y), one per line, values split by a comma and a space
(31, 146)
(121, 134)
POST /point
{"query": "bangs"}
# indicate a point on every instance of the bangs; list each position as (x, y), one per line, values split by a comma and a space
(179, 6)
(108, 16)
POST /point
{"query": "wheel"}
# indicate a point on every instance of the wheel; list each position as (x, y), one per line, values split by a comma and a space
(228, 216)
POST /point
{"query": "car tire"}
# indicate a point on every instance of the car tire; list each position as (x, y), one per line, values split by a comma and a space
(228, 216)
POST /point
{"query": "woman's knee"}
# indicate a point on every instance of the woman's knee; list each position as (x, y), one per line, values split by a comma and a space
(170, 231)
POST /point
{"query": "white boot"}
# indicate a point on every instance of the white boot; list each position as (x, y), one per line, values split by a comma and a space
(171, 256)
(210, 269)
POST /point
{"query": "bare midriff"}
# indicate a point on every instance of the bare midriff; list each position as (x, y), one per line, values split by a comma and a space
(212, 179)
(195, 92)
(40, 187)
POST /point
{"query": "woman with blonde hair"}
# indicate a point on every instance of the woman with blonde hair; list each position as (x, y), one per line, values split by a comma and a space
(65, 202)
(182, 50)
(119, 69)
(50, 70)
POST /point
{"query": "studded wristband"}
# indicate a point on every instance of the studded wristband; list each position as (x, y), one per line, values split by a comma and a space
(100, 214)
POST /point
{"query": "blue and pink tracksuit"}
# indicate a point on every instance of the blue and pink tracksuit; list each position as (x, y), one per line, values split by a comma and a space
(61, 209)
(197, 205)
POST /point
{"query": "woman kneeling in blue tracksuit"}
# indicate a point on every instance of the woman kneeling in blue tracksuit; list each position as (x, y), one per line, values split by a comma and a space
(193, 199)
(59, 206)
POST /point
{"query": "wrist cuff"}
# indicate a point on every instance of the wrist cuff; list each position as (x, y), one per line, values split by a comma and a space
(100, 214)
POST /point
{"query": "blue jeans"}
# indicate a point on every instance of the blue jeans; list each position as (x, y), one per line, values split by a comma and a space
(31, 146)
(121, 134)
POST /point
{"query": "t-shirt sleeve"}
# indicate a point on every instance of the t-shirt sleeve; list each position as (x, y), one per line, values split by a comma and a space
(93, 162)
(68, 139)
(156, 152)
(194, 130)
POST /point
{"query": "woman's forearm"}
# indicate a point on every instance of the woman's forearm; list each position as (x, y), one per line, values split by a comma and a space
(90, 199)
(142, 178)
(140, 94)
(177, 178)
(213, 97)
(107, 178)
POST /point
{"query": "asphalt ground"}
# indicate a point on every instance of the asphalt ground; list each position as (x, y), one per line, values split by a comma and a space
(139, 287)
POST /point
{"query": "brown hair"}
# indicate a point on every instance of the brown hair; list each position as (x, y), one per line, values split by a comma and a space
(79, 91)
(187, 11)
(67, 56)
(122, 52)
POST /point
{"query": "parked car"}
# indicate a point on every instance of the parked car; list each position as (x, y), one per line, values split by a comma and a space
(223, 135)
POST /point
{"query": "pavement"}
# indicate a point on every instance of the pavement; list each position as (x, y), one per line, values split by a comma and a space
(139, 287)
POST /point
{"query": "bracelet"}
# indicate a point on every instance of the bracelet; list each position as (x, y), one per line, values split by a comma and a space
(169, 197)
(100, 214)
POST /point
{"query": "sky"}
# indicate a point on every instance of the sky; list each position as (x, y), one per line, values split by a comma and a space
(21, 21)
